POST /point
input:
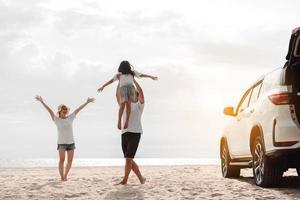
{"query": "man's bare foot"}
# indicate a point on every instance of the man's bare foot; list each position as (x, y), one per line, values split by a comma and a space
(143, 181)
(122, 183)
(126, 125)
(119, 124)
(63, 179)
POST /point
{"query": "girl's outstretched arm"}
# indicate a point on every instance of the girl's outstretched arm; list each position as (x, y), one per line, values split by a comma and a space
(40, 99)
(148, 76)
(106, 84)
(89, 100)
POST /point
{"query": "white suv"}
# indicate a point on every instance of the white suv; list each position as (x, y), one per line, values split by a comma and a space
(264, 132)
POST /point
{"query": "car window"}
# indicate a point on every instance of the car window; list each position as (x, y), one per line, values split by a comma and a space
(244, 102)
(297, 48)
(255, 93)
(271, 80)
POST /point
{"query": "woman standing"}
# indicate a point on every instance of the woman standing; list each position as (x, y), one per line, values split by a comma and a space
(65, 142)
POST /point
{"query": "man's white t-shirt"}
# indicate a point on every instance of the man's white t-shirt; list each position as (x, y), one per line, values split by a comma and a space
(65, 129)
(135, 119)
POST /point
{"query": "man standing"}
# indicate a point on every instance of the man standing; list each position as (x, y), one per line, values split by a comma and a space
(131, 135)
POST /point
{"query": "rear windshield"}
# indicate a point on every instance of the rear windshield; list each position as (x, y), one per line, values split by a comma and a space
(272, 80)
(297, 48)
(298, 51)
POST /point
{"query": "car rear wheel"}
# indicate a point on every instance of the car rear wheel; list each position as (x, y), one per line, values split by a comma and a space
(227, 170)
(264, 174)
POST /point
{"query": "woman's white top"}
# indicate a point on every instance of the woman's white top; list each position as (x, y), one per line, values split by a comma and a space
(126, 79)
(65, 129)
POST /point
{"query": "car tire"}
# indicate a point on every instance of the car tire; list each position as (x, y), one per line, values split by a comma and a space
(227, 170)
(265, 175)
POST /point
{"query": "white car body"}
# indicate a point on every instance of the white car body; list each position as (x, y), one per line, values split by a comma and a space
(264, 132)
(273, 120)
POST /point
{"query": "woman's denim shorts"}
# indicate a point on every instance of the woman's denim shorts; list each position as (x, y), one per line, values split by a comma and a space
(67, 147)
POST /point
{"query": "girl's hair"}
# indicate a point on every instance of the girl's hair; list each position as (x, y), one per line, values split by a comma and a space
(125, 68)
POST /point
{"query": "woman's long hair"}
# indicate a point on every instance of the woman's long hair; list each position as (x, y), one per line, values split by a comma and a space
(125, 68)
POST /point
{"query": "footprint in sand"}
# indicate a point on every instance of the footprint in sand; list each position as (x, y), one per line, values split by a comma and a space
(216, 195)
(125, 193)
(75, 195)
(170, 190)
(185, 189)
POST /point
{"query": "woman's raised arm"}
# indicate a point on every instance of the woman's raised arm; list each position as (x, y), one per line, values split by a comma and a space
(40, 99)
(89, 100)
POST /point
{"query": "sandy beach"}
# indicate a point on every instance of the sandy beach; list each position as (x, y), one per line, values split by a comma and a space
(163, 182)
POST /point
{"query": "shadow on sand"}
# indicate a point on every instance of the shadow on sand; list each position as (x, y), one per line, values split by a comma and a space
(125, 192)
(290, 185)
(287, 182)
(36, 186)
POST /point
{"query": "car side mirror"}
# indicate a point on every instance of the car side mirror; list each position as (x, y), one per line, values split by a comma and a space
(229, 111)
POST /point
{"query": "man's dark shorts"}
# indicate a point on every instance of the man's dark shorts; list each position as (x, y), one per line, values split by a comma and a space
(130, 143)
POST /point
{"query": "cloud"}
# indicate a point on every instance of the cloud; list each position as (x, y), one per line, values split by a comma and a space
(120, 24)
(71, 21)
(138, 19)
(18, 22)
(20, 16)
(17, 52)
(261, 47)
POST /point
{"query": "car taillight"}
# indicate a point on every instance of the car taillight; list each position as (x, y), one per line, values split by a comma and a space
(280, 98)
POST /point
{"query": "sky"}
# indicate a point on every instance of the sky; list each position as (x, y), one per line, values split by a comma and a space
(205, 53)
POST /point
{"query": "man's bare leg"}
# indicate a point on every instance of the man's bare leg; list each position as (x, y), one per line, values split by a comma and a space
(69, 163)
(127, 169)
(61, 162)
(136, 170)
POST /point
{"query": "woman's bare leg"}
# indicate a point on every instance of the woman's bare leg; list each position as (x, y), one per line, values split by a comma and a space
(121, 110)
(61, 153)
(128, 112)
(136, 170)
(69, 163)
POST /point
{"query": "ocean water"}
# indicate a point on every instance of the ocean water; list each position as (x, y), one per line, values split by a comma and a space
(93, 162)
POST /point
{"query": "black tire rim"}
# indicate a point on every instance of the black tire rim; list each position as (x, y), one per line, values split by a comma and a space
(224, 161)
(258, 163)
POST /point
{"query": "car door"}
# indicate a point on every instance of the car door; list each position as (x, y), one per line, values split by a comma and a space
(237, 141)
(255, 109)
